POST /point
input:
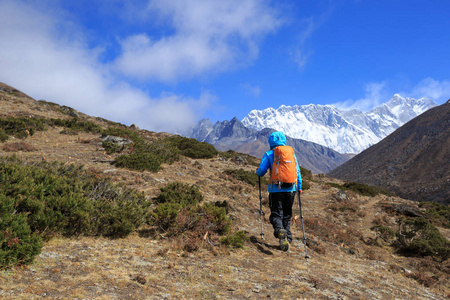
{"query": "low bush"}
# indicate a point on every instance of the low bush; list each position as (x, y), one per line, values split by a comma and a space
(385, 232)
(18, 244)
(306, 174)
(73, 126)
(3, 136)
(139, 161)
(235, 240)
(360, 188)
(173, 198)
(191, 147)
(417, 236)
(246, 176)
(177, 192)
(179, 213)
(21, 127)
(440, 214)
(68, 200)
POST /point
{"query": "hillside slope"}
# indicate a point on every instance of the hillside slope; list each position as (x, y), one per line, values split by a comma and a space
(348, 260)
(413, 162)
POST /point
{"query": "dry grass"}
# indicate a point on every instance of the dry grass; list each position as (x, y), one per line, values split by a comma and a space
(342, 265)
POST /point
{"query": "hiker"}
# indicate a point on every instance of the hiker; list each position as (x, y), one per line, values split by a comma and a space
(281, 194)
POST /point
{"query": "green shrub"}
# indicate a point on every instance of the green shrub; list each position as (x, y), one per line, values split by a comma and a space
(3, 136)
(179, 213)
(177, 192)
(173, 198)
(198, 220)
(235, 240)
(70, 201)
(417, 236)
(73, 126)
(21, 127)
(360, 188)
(240, 157)
(111, 147)
(249, 177)
(18, 245)
(306, 174)
(440, 213)
(191, 147)
(139, 161)
(166, 151)
(386, 233)
(165, 214)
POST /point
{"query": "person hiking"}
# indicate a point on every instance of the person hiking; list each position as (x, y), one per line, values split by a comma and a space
(281, 194)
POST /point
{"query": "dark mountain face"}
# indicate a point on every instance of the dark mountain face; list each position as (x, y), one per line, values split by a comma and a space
(234, 135)
(413, 162)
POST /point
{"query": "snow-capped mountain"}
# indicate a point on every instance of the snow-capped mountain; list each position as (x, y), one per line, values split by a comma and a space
(346, 131)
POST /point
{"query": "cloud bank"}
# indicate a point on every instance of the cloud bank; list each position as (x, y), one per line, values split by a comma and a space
(44, 54)
(207, 37)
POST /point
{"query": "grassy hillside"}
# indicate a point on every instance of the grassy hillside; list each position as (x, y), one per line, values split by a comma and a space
(103, 222)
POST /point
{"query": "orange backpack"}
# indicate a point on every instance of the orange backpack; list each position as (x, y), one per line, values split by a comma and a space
(284, 168)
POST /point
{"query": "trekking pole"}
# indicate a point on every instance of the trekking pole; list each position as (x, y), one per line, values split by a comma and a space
(260, 208)
(303, 226)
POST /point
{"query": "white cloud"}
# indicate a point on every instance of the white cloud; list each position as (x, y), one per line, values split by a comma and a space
(46, 62)
(253, 90)
(438, 91)
(375, 94)
(207, 37)
(301, 54)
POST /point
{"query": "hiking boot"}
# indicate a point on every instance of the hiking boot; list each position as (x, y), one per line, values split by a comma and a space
(284, 243)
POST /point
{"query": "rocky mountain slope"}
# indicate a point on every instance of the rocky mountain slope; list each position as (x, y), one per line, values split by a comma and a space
(349, 258)
(414, 161)
(234, 135)
(345, 131)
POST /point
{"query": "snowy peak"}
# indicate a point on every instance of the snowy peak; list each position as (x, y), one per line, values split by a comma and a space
(346, 131)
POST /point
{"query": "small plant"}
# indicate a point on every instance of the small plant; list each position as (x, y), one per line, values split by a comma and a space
(73, 126)
(386, 233)
(21, 127)
(18, 245)
(51, 198)
(440, 213)
(180, 214)
(417, 236)
(235, 240)
(191, 147)
(139, 161)
(3, 136)
(246, 176)
(360, 188)
(177, 192)
(306, 174)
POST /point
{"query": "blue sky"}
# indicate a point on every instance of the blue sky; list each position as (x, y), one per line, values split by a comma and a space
(165, 64)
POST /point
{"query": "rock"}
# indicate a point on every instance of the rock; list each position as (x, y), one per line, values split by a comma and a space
(116, 140)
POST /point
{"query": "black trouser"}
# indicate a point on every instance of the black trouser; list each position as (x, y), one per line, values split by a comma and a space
(281, 212)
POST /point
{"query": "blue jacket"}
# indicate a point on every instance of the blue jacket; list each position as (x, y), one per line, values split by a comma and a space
(277, 139)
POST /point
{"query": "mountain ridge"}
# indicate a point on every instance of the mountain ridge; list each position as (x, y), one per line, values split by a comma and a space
(413, 161)
(234, 135)
(346, 131)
